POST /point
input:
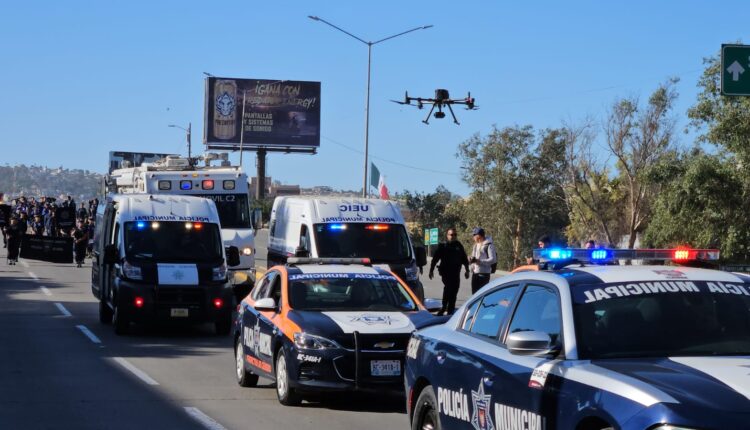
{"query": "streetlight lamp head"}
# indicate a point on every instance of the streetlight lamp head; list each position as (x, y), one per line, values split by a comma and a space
(208, 74)
(314, 18)
(427, 26)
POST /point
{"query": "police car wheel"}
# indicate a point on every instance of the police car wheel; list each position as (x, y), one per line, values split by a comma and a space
(105, 313)
(244, 378)
(426, 415)
(119, 321)
(287, 395)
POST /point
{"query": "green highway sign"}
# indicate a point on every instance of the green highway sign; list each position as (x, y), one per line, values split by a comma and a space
(431, 236)
(735, 70)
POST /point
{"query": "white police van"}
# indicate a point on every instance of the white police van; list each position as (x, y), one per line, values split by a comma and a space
(327, 227)
(161, 257)
(225, 185)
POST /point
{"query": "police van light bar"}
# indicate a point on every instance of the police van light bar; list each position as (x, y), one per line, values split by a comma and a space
(602, 255)
(377, 227)
(337, 227)
(302, 260)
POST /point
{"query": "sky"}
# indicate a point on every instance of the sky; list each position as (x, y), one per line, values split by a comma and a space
(81, 78)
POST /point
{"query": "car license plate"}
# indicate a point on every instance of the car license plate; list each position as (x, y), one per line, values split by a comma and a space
(385, 368)
(179, 312)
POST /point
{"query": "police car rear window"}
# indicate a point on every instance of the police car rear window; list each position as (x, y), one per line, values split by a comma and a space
(662, 319)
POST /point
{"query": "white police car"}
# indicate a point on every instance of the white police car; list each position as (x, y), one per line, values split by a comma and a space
(590, 347)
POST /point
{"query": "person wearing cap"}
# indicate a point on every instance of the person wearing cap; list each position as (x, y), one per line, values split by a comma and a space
(483, 257)
(14, 233)
(451, 256)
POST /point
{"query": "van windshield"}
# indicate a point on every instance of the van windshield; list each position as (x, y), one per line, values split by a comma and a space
(381, 243)
(172, 241)
(233, 209)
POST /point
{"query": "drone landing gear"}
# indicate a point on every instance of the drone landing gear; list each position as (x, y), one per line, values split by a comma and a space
(440, 114)
(427, 120)
(453, 115)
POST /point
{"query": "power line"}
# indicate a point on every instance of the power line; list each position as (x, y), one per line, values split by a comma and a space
(593, 90)
(396, 163)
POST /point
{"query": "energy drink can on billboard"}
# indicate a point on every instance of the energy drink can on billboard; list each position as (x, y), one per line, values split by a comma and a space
(225, 109)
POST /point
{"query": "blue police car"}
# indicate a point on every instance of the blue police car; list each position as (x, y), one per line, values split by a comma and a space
(590, 346)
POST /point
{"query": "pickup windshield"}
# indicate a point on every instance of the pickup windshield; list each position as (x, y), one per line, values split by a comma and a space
(348, 292)
(662, 319)
(172, 241)
(381, 243)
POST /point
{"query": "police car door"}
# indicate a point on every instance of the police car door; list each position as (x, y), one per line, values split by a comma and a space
(256, 330)
(468, 374)
(530, 392)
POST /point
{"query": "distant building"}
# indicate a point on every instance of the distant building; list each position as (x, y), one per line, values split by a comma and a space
(273, 188)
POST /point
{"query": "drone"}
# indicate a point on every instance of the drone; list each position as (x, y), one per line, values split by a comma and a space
(442, 98)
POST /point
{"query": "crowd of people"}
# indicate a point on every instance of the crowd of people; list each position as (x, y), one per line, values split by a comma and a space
(46, 216)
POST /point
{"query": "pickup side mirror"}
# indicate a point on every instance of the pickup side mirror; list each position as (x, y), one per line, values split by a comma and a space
(111, 255)
(533, 343)
(421, 256)
(302, 252)
(265, 305)
(233, 256)
(257, 218)
(433, 305)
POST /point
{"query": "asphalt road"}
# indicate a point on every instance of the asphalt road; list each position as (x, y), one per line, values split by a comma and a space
(61, 369)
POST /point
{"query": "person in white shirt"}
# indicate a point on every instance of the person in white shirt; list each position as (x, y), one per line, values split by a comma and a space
(483, 258)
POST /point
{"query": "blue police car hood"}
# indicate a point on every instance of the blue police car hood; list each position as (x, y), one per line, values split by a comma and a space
(718, 383)
(339, 323)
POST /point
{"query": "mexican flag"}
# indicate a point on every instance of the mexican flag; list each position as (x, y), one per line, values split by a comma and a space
(378, 181)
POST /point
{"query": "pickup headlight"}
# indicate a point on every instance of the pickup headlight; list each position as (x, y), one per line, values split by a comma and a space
(132, 272)
(247, 251)
(219, 273)
(309, 341)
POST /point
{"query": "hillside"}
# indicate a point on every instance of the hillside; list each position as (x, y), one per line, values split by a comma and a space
(45, 181)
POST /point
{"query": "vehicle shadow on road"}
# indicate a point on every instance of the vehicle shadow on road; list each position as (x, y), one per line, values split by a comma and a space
(358, 402)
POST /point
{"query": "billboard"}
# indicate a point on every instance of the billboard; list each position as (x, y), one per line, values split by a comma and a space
(283, 114)
(135, 159)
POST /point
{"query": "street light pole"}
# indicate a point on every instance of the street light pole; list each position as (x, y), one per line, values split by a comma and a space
(365, 188)
(188, 136)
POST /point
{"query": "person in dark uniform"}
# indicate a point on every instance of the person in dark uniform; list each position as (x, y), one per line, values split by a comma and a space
(80, 242)
(451, 256)
(37, 226)
(14, 233)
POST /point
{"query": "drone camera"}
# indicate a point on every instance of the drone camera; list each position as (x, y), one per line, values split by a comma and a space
(439, 115)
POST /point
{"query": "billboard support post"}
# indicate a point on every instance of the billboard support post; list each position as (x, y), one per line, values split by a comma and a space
(242, 125)
(260, 191)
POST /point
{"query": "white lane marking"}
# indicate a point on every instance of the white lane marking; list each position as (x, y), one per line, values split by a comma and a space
(45, 290)
(24, 264)
(135, 371)
(33, 275)
(62, 310)
(204, 419)
(88, 333)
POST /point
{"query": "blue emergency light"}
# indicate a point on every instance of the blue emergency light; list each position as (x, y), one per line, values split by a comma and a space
(603, 255)
(140, 225)
(337, 227)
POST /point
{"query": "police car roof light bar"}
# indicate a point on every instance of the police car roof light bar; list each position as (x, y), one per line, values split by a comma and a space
(295, 261)
(601, 255)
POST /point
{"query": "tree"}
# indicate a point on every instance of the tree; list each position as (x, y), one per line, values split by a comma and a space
(638, 138)
(515, 193)
(429, 210)
(699, 205)
(593, 196)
